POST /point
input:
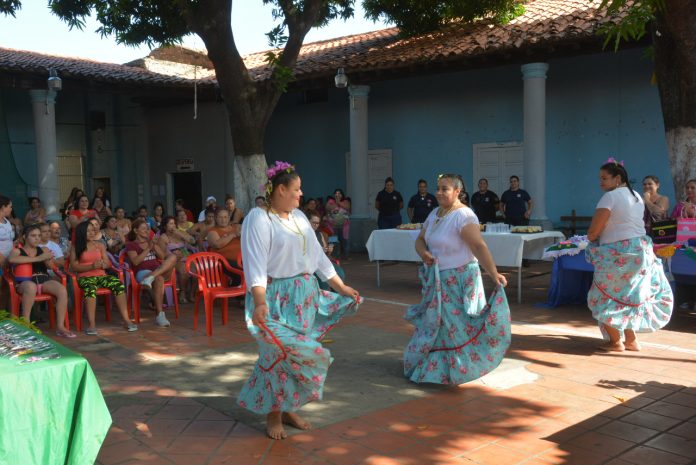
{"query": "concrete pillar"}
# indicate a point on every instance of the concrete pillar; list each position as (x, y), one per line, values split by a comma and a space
(358, 190)
(534, 76)
(43, 104)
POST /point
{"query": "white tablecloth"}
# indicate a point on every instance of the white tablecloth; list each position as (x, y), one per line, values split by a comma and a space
(508, 249)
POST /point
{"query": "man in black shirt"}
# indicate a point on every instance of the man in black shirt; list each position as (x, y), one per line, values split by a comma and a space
(484, 202)
(421, 204)
(516, 204)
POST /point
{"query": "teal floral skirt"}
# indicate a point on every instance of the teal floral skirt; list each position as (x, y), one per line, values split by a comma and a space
(630, 289)
(292, 364)
(458, 336)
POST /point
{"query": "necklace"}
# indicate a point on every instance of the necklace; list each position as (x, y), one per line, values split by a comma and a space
(297, 231)
(447, 212)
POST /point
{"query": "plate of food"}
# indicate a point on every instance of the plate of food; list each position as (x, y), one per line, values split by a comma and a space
(410, 226)
(526, 229)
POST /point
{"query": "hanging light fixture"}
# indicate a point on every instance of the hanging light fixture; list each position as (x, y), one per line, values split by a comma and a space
(341, 79)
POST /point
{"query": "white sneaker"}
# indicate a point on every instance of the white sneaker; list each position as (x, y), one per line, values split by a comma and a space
(147, 281)
(161, 320)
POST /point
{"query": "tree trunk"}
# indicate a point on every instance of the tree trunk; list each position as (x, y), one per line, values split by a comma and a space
(249, 177)
(674, 38)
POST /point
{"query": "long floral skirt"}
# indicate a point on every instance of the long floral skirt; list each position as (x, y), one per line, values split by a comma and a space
(292, 363)
(458, 337)
(629, 290)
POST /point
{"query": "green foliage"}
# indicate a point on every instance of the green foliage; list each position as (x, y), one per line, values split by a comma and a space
(8, 7)
(634, 25)
(5, 315)
(420, 16)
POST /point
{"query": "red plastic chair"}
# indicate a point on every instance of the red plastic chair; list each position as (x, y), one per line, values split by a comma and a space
(16, 297)
(209, 269)
(79, 295)
(133, 287)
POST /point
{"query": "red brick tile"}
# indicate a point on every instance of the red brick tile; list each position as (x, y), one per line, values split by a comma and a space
(352, 429)
(493, 454)
(628, 431)
(643, 455)
(209, 428)
(127, 450)
(157, 443)
(164, 427)
(668, 409)
(674, 444)
(686, 430)
(258, 445)
(344, 452)
(193, 445)
(682, 398)
(179, 411)
(422, 454)
(528, 445)
(187, 459)
(650, 420)
(601, 442)
(384, 442)
(567, 454)
(211, 414)
(241, 457)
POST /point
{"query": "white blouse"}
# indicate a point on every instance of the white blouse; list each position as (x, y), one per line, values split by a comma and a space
(270, 248)
(6, 237)
(444, 239)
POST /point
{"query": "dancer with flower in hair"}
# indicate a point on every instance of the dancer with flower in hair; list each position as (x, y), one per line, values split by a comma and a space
(458, 337)
(286, 312)
(630, 293)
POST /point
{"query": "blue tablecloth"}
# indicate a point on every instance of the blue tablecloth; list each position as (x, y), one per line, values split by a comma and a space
(571, 277)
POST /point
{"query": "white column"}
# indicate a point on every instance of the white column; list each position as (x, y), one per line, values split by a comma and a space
(358, 190)
(534, 76)
(43, 104)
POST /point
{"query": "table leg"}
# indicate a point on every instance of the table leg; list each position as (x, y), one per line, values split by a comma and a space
(378, 273)
(519, 284)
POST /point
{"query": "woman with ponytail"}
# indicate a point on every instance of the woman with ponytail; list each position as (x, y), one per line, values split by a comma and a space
(630, 293)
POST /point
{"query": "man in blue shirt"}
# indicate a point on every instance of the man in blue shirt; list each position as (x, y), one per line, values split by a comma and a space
(516, 204)
(421, 204)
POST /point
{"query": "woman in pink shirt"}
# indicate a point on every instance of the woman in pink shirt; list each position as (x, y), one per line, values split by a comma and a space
(89, 260)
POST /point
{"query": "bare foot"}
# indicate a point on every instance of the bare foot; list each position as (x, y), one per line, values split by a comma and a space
(612, 347)
(632, 346)
(296, 421)
(274, 426)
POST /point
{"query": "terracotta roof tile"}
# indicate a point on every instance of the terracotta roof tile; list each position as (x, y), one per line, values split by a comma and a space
(544, 22)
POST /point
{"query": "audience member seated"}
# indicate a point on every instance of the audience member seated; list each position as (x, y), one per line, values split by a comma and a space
(322, 237)
(210, 202)
(102, 210)
(200, 230)
(100, 193)
(151, 265)
(47, 244)
(338, 210)
(36, 213)
(182, 222)
(157, 215)
(178, 243)
(223, 238)
(687, 207)
(71, 202)
(89, 260)
(123, 224)
(81, 213)
(115, 240)
(260, 201)
(236, 215)
(58, 238)
(179, 206)
(34, 278)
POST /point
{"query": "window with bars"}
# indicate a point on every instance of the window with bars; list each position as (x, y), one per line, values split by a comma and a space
(70, 174)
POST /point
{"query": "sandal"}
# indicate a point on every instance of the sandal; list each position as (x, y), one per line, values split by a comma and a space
(66, 334)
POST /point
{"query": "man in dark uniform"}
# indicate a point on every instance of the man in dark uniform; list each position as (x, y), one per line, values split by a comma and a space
(421, 204)
(484, 202)
(389, 204)
(516, 204)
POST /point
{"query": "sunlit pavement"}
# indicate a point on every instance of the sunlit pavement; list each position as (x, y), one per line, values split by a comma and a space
(554, 400)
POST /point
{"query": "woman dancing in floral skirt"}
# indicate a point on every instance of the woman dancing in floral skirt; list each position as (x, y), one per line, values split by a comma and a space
(630, 293)
(286, 311)
(457, 337)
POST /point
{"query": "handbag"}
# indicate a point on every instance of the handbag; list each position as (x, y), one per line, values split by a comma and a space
(686, 228)
(664, 231)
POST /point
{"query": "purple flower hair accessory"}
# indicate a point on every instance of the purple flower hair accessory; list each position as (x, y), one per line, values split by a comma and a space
(615, 161)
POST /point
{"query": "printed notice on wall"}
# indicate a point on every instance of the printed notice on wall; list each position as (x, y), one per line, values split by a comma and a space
(184, 164)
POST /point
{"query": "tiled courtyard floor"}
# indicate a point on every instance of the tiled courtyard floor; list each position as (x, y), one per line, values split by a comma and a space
(555, 400)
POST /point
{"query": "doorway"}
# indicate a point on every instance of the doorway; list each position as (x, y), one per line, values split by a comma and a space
(497, 162)
(187, 187)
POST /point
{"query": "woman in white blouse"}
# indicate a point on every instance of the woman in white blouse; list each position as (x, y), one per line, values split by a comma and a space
(630, 293)
(285, 310)
(457, 336)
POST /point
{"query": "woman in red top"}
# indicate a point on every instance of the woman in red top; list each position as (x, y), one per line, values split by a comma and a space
(80, 214)
(150, 263)
(88, 259)
(36, 279)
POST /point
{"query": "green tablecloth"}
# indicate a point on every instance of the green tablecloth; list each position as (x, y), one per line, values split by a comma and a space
(51, 412)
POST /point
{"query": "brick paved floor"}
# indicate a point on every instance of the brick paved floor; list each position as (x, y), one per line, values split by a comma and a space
(171, 392)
